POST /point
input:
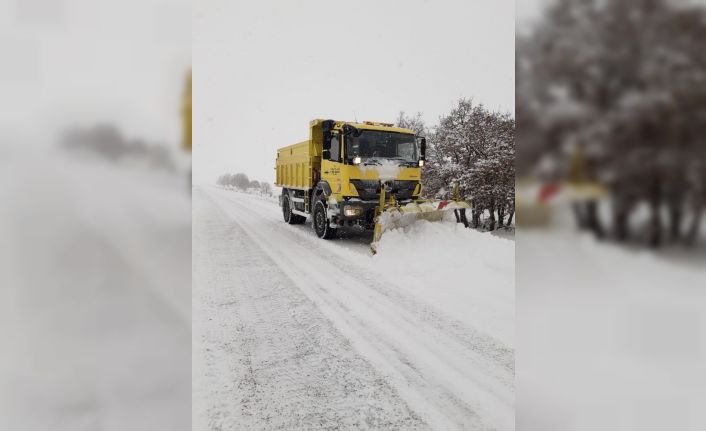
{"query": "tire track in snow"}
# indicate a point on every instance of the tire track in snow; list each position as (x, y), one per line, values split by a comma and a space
(435, 374)
(417, 349)
(358, 265)
(484, 345)
(272, 360)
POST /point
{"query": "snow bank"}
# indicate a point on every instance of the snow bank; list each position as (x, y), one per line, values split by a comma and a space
(444, 246)
(465, 272)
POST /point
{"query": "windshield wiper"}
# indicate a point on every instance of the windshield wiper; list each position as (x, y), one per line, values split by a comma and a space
(404, 162)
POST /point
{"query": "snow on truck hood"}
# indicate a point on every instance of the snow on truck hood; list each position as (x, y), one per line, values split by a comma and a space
(387, 170)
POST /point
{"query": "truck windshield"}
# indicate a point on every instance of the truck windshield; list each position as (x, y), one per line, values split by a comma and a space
(373, 145)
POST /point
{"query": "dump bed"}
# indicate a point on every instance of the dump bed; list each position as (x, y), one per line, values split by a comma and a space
(295, 165)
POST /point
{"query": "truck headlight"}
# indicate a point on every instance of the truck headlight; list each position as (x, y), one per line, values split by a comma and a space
(421, 163)
(352, 211)
(356, 160)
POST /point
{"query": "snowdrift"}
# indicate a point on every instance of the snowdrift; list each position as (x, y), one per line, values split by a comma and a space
(443, 246)
(468, 273)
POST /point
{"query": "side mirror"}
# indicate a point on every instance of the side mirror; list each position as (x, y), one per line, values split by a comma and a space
(423, 149)
(326, 154)
(326, 127)
(327, 142)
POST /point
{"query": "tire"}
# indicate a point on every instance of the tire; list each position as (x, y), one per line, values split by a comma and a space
(288, 215)
(320, 222)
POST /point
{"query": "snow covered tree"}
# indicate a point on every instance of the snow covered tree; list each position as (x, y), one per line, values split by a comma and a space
(413, 122)
(223, 180)
(240, 181)
(622, 83)
(265, 188)
(475, 148)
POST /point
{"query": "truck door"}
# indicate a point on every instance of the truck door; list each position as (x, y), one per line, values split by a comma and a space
(331, 165)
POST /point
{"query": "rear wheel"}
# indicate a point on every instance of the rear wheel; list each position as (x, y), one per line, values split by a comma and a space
(321, 222)
(287, 213)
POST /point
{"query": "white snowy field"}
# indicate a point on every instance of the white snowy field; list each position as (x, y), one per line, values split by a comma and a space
(95, 316)
(608, 338)
(294, 332)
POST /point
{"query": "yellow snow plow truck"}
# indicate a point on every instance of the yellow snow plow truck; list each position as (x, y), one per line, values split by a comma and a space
(356, 174)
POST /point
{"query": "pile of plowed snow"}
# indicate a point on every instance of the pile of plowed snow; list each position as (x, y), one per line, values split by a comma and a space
(444, 246)
(464, 271)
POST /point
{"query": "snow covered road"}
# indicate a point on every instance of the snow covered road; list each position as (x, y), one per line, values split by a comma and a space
(293, 332)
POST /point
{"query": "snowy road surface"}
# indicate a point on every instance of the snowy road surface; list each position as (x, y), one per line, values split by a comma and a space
(94, 296)
(293, 332)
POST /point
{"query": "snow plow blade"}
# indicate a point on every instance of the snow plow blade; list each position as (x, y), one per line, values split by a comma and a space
(392, 216)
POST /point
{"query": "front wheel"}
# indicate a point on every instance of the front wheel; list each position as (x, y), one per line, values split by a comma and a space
(321, 222)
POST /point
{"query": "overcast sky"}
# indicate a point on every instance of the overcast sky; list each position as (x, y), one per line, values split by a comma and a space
(264, 69)
(88, 61)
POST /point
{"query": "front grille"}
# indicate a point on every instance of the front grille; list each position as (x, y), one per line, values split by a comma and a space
(367, 189)
(370, 189)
